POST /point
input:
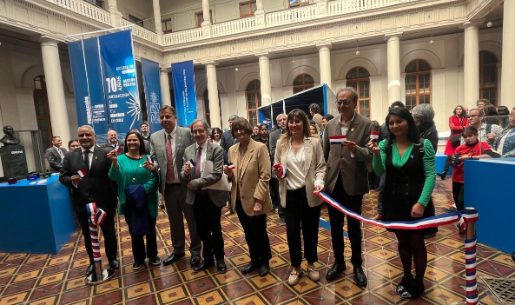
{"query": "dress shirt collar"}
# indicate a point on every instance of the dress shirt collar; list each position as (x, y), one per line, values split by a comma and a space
(204, 146)
(92, 149)
(174, 131)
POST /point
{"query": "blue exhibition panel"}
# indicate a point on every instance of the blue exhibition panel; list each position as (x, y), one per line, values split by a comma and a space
(488, 188)
(36, 216)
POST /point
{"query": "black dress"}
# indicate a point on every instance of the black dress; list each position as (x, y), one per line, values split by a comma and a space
(403, 188)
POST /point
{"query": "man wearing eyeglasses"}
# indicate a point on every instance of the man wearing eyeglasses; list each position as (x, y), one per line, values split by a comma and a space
(486, 132)
(346, 178)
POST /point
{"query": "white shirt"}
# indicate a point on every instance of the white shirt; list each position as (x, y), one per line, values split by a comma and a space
(90, 156)
(176, 172)
(296, 176)
(202, 157)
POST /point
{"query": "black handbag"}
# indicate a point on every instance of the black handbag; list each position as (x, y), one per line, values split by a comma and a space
(456, 139)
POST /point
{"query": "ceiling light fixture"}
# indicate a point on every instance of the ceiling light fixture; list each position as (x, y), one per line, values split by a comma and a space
(489, 24)
(357, 48)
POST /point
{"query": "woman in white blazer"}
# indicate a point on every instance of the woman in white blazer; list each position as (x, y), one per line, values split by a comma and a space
(302, 157)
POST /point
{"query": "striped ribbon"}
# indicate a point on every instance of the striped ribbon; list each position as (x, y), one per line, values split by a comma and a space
(96, 218)
(463, 217)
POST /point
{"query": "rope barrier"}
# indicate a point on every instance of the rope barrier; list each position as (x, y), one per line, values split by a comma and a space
(465, 218)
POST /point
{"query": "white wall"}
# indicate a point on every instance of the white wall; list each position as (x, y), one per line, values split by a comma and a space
(142, 9)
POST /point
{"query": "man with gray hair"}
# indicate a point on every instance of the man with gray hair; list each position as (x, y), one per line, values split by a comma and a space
(424, 115)
(93, 185)
(226, 142)
(486, 132)
(314, 110)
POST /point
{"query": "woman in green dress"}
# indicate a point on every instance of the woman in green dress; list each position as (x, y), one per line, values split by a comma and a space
(131, 172)
(409, 163)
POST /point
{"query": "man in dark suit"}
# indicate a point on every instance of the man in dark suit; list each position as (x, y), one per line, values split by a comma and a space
(112, 142)
(167, 148)
(207, 204)
(55, 155)
(346, 178)
(95, 186)
(281, 120)
(227, 139)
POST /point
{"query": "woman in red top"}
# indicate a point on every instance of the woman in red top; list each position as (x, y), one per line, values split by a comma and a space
(472, 149)
(457, 123)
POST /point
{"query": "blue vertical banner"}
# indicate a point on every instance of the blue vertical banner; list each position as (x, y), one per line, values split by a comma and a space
(152, 84)
(184, 91)
(119, 78)
(88, 86)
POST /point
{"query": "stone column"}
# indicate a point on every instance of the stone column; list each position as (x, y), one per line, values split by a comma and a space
(508, 54)
(116, 16)
(259, 14)
(55, 89)
(325, 64)
(264, 75)
(471, 65)
(165, 87)
(212, 92)
(206, 24)
(394, 67)
(157, 21)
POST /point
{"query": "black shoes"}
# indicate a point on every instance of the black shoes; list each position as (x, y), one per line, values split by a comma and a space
(173, 258)
(513, 256)
(115, 264)
(195, 260)
(222, 267)
(253, 265)
(156, 261)
(90, 270)
(413, 291)
(264, 269)
(429, 235)
(442, 175)
(359, 276)
(137, 265)
(405, 282)
(335, 271)
(205, 264)
(450, 210)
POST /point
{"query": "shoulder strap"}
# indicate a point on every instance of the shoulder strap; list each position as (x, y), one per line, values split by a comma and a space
(421, 146)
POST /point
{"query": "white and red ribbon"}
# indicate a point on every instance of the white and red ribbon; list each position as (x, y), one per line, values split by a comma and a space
(96, 218)
(283, 171)
(231, 166)
(337, 140)
(81, 173)
(149, 160)
(117, 148)
(374, 135)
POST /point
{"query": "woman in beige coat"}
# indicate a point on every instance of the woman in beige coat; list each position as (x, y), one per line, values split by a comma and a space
(250, 194)
(301, 156)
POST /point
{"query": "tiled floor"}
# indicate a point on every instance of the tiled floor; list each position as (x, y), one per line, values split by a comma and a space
(58, 279)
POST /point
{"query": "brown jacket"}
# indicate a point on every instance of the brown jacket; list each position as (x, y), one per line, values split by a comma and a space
(253, 181)
(314, 167)
(339, 160)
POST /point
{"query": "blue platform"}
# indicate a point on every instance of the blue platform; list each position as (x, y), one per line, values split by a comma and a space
(489, 189)
(36, 216)
(440, 163)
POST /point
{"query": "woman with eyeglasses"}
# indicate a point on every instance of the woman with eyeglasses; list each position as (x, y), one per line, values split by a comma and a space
(457, 122)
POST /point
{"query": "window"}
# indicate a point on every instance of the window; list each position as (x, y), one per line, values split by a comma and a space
(42, 112)
(488, 76)
(418, 83)
(166, 24)
(247, 9)
(302, 82)
(136, 20)
(294, 3)
(253, 96)
(206, 107)
(359, 79)
(98, 3)
(199, 17)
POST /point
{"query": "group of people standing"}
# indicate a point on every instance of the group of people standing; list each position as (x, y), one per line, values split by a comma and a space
(183, 165)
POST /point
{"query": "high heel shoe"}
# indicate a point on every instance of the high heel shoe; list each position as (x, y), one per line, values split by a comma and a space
(413, 291)
(442, 175)
(405, 282)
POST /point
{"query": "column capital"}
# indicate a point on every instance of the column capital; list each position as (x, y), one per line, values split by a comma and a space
(393, 36)
(210, 63)
(475, 22)
(266, 54)
(324, 45)
(49, 40)
(164, 69)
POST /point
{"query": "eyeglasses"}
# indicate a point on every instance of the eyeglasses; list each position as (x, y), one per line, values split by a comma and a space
(346, 102)
(473, 116)
(199, 131)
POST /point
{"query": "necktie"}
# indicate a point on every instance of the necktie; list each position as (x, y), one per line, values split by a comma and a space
(86, 158)
(60, 152)
(197, 163)
(170, 171)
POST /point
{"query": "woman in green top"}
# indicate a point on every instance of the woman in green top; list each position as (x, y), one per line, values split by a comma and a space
(127, 170)
(409, 163)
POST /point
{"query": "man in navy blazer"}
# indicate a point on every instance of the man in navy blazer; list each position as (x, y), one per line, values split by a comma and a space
(96, 187)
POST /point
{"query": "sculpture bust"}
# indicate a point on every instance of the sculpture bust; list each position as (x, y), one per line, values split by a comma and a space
(9, 138)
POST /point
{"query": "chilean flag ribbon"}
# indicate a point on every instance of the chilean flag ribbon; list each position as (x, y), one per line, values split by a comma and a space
(117, 148)
(471, 296)
(81, 173)
(149, 160)
(429, 222)
(231, 166)
(337, 140)
(374, 135)
(96, 218)
(192, 163)
(283, 171)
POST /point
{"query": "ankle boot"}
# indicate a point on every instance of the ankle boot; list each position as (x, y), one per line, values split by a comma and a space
(442, 175)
